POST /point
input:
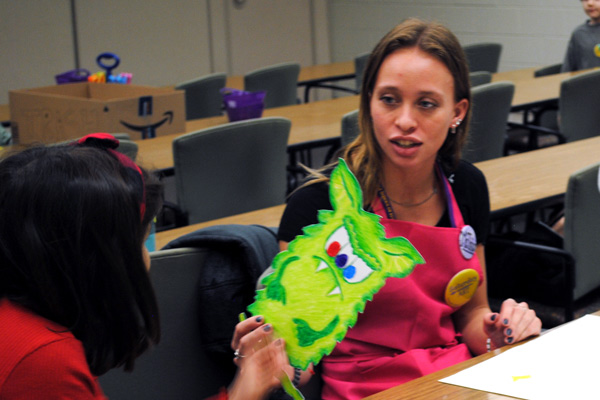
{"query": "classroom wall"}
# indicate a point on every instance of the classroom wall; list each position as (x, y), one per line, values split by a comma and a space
(161, 43)
(532, 32)
(164, 45)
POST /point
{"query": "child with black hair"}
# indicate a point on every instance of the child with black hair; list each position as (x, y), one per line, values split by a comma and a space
(75, 296)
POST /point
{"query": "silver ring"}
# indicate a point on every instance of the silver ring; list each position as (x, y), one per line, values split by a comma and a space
(237, 354)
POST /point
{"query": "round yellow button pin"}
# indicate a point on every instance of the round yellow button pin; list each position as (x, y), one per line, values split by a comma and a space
(462, 287)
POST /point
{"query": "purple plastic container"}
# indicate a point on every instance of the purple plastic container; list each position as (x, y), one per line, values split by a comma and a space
(241, 105)
(74, 75)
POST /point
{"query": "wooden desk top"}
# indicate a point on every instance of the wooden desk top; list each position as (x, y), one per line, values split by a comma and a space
(530, 90)
(307, 74)
(310, 121)
(266, 217)
(539, 174)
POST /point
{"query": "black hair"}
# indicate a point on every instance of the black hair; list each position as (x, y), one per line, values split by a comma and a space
(71, 237)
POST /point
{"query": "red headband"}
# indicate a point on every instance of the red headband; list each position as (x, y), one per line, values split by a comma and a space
(110, 143)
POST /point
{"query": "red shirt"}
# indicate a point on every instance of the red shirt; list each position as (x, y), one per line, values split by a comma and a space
(40, 359)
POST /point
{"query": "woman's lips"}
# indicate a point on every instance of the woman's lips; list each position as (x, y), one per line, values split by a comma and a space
(406, 144)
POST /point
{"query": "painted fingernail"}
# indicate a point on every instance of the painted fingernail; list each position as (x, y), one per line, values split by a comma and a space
(259, 319)
(267, 328)
(510, 340)
(278, 342)
(493, 317)
(505, 321)
(508, 332)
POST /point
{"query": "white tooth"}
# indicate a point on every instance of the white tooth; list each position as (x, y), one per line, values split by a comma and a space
(322, 266)
(335, 291)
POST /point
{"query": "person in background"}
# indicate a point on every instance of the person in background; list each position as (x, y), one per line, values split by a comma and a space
(75, 295)
(583, 51)
(414, 117)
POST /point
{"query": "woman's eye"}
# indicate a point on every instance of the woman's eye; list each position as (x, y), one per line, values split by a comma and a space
(387, 99)
(427, 104)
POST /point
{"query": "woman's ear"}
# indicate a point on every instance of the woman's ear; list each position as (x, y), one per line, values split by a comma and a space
(461, 108)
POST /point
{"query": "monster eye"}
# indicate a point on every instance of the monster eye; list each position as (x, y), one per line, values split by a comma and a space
(353, 268)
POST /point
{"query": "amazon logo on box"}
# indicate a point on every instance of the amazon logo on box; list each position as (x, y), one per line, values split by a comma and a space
(68, 111)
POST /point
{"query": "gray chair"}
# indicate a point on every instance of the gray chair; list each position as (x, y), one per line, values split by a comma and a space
(578, 106)
(551, 69)
(350, 127)
(480, 78)
(490, 105)
(202, 96)
(178, 367)
(280, 81)
(122, 135)
(483, 56)
(580, 252)
(231, 168)
(360, 62)
(129, 148)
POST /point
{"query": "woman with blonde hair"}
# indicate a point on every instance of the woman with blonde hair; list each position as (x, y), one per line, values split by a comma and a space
(414, 116)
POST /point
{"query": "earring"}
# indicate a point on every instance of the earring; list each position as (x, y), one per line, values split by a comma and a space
(453, 127)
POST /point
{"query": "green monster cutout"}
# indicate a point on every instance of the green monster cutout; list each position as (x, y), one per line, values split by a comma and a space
(324, 279)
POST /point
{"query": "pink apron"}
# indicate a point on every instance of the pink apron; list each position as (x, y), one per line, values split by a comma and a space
(407, 330)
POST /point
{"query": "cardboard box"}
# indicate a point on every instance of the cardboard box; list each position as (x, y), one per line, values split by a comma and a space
(57, 113)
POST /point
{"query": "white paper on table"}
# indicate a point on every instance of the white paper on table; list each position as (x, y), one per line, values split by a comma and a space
(564, 363)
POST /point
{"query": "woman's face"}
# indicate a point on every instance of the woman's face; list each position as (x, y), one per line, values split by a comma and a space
(413, 107)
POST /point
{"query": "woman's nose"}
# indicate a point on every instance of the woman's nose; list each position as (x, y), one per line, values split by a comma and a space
(405, 119)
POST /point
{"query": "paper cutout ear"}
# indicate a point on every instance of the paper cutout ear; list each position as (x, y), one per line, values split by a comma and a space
(327, 275)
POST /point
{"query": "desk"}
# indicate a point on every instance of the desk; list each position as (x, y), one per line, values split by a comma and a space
(266, 217)
(516, 183)
(531, 91)
(525, 181)
(310, 76)
(428, 387)
(310, 121)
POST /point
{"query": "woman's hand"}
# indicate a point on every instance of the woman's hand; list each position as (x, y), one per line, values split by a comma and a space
(259, 373)
(250, 336)
(514, 322)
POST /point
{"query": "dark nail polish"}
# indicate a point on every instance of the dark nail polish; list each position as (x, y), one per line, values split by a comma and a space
(278, 342)
(267, 328)
(505, 321)
(493, 317)
(259, 319)
(508, 332)
(510, 340)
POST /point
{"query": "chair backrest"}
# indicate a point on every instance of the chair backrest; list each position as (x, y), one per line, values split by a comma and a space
(578, 106)
(231, 168)
(360, 62)
(280, 81)
(548, 70)
(483, 56)
(582, 221)
(178, 367)
(122, 135)
(350, 127)
(129, 148)
(490, 105)
(202, 96)
(480, 78)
